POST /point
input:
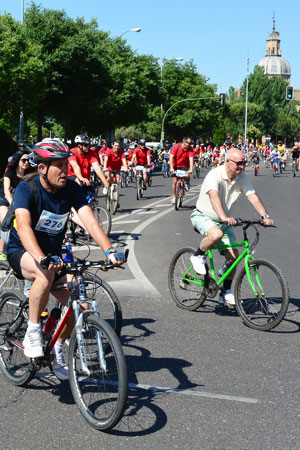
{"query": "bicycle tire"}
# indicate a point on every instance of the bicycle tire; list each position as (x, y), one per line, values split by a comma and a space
(100, 396)
(122, 183)
(265, 311)
(14, 365)
(194, 173)
(150, 181)
(198, 172)
(114, 199)
(103, 217)
(139, 189)
(107, 300)
(107, 200)
(177, 197)
(185, 295)
(8, 281)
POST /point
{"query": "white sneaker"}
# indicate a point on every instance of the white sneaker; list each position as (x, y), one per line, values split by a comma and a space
(104, 191)
(60, 367)
(173, 200)
(33, 344)
(229, 298)
(199, 264)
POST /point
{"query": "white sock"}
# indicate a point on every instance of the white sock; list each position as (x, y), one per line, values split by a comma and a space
(58, 347)
(33, 327)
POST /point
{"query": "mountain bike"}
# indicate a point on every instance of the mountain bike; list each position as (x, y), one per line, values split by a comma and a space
(295, 167)
(196, 169)
(97, 366)
(180, 189)
(261, 292)
(113, 194)
(165, 169)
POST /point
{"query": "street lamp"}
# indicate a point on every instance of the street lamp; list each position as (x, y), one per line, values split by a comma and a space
(137, 30)
(21, 120)
(246, 107)
(161, 105)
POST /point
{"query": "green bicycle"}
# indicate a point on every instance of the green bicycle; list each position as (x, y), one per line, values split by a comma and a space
(261, 292)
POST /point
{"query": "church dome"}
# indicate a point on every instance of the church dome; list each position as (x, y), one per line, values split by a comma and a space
(276, 65)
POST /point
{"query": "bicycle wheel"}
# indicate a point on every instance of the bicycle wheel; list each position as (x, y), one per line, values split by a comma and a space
(198, 172)
(8, 280)
(150, 180)
(103, 217)
(139, 188)
(108, 197)
(194, 173)
(265, 308)
(114, 199)
(186, 295)
(123, 184)
(14, 365)
(177, 196)
(108, 303)
(100, 396)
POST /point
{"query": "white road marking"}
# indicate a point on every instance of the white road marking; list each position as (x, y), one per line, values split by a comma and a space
(153, 211)
(129, 288)
(121, 222)
(233, 398)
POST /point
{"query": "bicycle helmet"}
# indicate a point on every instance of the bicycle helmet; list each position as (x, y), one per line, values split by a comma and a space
(49, 149)
(228, 142)
(82, 139)
(142, 142)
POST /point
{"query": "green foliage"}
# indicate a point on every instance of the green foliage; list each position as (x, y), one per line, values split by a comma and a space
(219, 135)
(7, 148)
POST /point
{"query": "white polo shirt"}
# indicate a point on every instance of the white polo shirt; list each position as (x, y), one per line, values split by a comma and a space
(229, 191)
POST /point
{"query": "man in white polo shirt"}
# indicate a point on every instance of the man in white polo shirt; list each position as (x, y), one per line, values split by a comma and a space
(220, 190)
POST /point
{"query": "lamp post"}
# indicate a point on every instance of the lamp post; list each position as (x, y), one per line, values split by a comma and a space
(246, 107)
(21, 121)
(137, 30)
(162, 105)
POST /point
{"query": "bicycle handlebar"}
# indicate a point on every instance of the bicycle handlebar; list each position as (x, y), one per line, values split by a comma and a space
(248, 222)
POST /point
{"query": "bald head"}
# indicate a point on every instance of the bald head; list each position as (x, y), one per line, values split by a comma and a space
(235, 154)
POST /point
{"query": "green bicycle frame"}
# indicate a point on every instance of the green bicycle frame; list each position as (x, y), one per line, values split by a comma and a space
(245, 254)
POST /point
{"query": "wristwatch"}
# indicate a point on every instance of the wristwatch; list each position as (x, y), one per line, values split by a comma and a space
(266, 216)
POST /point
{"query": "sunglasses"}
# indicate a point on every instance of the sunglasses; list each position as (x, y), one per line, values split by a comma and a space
(24, 160)
(238, 163)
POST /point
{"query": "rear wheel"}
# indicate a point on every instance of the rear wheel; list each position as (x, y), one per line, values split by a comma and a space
(264, 305)
(103, 217)
(139, 188)
(185, 293)
(102, 394)
(114, 199)
(14, 365)
(177, 197)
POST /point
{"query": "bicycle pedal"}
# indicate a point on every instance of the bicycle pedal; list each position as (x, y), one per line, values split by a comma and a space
(44, 315)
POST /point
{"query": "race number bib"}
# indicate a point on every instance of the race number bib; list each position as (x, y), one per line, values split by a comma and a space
(51, 223)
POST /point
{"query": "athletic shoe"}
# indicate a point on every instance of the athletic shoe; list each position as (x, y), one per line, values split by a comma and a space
(60, 367)
(33, 346)
(229, 298)
(104, 191)
(199, 264)
(173, 200)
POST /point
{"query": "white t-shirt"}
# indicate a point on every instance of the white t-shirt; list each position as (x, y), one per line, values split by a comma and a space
(229, 191)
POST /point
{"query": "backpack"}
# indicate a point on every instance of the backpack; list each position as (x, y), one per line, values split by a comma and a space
(10, 215)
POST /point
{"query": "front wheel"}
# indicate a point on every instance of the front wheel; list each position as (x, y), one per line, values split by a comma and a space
(261, 301)
(186, 286)
(103, 217)
(14, 365)
(139, 188)
(178, 197)
(114, 198)
(100, 395)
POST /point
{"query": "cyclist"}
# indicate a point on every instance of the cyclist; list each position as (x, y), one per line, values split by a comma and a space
(82, 160)
(182, 158)
(220, 190)
(216, 156)
(165, 157)
(40, 231)
(142, 157)
(275, 159)
(255, 160)
(113, 161)
(295, 156)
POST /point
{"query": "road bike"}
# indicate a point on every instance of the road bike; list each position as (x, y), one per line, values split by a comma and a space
(113, 194)
(97, 366)
(261, 292)
(180, 188)
(196, 169)
(139, 182)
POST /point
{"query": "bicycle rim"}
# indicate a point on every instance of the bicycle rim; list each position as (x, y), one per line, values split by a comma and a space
(103, 217)
(14, 365)
(108, 304)
(100, 396)
(264, 307)
(186, 295)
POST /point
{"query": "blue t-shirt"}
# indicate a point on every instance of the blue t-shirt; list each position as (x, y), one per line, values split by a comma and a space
(49, 214)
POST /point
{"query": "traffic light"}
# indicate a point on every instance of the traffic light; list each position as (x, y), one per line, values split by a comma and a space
(222, 98)
(289, 92)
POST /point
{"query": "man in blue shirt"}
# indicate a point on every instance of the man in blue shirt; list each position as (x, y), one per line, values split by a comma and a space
(40, 230)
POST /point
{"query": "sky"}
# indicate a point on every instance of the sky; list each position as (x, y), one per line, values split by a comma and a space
(218, 35)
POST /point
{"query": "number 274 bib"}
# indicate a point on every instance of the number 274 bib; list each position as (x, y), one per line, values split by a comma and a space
(51, 223)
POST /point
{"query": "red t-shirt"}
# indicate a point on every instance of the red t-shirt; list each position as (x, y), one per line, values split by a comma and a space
(114, 161)
(141, 156)
(182, 156)
(84, 161)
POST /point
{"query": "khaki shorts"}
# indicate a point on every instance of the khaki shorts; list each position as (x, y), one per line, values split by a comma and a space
(203, 223)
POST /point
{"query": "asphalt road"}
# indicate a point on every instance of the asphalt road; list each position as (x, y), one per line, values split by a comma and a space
(198, 380)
